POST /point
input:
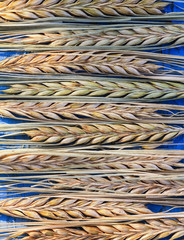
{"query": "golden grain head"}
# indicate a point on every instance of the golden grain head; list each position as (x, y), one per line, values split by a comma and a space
(27, 10)
(127, 90)
(134, 36)
(91, 62)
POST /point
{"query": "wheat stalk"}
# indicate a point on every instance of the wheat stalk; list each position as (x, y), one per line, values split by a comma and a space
(26, 160)
(90, 134)
(153, 228)
(20, 10)
(131, 36)
(67, 62)
(61, 111)
(128, 90)
(47, 207)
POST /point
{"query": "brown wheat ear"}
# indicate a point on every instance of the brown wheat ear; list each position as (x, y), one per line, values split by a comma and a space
(61, 111)
(126, 37)
(91, 134)
(93, 62)
(47, 207)
(157, 228)
(119, 183)
(135, 186)
(25, 160)
(64, 111)
(20, 10)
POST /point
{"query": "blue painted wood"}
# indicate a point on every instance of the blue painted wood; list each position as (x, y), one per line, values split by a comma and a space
(175, 7)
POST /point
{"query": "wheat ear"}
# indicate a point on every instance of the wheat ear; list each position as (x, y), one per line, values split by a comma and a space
(153, 228)
(20, 10)
(67, 62)
(90, 134)
(128, 90)
(61, 111)
(114, 184)
(25, 160)
(133, 36)
(119, 183)
(47, 207)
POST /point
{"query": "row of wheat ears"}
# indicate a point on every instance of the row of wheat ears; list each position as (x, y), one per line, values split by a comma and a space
(122, 184)
(116, 178)
(69, 206)
(97, 217)
(87, 206)
(110, 182)
(115, 210)
(106, 183)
